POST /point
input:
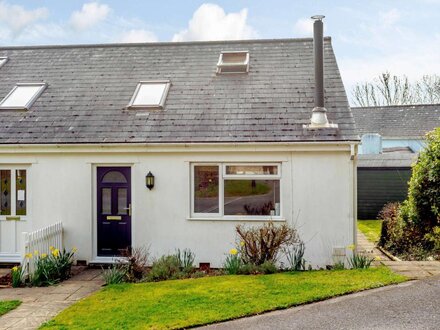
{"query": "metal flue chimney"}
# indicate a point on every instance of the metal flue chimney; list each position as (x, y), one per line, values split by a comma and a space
(319, 117)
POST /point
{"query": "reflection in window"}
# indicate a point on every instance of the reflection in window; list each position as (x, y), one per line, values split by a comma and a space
(122, 201)
(5, 188)
(114, 177)
(252, 197)
(206, 189)
(20, 192)
(252, 169)
(106, 201)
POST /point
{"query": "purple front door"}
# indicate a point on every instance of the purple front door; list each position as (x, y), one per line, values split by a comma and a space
(114, 210)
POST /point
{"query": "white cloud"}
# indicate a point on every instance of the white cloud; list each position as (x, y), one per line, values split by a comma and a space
(137, 35)
(90, 14)
(304, 27)
(15, 18)
(210, 22)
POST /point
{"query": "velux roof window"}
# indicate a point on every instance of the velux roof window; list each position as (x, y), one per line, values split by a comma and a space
(150, 95)
(233, 62)
(22, 96)
(3, 60)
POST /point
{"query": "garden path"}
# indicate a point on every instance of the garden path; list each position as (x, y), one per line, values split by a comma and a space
(41, 304)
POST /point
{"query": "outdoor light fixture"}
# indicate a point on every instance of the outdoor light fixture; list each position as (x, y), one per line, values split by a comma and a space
(149, 180)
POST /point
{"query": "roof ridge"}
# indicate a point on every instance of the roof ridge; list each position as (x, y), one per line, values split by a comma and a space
(166, 43)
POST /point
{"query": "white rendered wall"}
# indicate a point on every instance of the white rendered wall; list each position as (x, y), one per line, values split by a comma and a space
(316, 192)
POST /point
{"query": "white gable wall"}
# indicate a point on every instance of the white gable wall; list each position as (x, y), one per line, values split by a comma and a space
(317, 192)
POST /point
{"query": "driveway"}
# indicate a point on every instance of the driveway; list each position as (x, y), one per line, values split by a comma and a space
(410, 305)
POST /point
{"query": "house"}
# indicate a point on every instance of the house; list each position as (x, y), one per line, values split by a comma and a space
(171, 145)
(391, 138)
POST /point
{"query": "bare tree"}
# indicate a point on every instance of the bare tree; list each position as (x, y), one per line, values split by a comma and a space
(390, 89)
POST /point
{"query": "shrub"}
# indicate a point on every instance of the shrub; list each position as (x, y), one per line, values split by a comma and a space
(295, 256)
(136, 263)
(233, 264)
(359, 261)
(17, 276)
(268, 267)
(115, 274)
(165, 268)
(186, 260)
(263, 243)
(389, 216)
(338, 265)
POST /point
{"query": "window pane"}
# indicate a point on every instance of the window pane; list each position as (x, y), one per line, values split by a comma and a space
(252, 197)
(149, 94)
(5, 187)
(106, 201)
(20, 195)
(114, 177)
(21, 96)
(122, 201)
(252, 169)
(206, 197)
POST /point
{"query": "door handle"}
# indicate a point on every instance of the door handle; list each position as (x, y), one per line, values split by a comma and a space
(129, 209)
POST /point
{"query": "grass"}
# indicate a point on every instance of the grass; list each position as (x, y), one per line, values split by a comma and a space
(8, 305)
(236, 188)
(371, 229)
(191, 302)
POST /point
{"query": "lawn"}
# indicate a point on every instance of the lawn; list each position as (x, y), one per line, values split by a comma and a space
(8, 305)
(371, 229)
(191, 302)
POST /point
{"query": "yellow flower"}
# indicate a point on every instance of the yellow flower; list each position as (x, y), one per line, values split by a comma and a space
(36, 252)
(241, 243)
(51, 248)
(351, 247)
(377, 258)
(14, 269)
(55, 252)
(43, 255)
(74, 249)
(28, 255)
(233, 251)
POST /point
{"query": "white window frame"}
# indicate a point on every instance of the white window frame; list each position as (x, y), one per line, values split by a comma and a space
(223, 176)
(161, 104)
(221, 64)
(3, 60)
(30, 102)
(13, 214)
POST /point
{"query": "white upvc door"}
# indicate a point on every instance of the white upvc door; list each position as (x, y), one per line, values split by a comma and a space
(14, 210)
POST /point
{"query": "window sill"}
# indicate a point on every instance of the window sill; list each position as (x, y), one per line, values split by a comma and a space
(247, 219)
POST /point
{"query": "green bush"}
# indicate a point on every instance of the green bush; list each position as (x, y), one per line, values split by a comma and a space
(17, 276)
(268, 267)
(233, 264)
(359, 261)
(409, 230)
(186, 260)
(165, 268)
(115, 274)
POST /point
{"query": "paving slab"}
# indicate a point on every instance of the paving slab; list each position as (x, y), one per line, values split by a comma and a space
(42, 304)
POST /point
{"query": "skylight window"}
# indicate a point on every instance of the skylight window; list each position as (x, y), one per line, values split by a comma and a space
(233, 62)
(3, 60)
(150, 95)
(22, 96)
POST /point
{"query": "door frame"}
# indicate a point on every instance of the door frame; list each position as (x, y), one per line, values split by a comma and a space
(95, 257)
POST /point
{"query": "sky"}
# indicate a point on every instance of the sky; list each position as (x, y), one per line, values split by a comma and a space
(369, 37)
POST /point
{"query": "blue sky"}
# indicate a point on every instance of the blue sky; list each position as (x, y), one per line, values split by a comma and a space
(369, 37)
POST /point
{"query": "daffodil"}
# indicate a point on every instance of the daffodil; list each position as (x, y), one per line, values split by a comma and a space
(51, 248)
(377, 258)
(242, 243)
(43, 255)
(28, 255)
(233, 251)
(36, 252)
(14, 269)
(55, 252)
(74, 249)
(351, 247)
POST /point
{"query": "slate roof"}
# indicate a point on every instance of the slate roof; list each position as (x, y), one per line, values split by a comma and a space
(89, 87)
(392, 160)
(411, 121)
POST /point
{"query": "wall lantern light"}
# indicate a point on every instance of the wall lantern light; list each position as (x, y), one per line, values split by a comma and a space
(149, 180)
